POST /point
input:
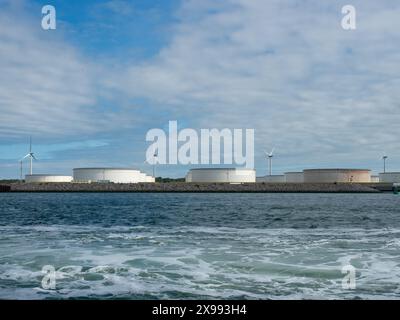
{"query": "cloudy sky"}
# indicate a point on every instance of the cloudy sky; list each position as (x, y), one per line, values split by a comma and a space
(89, 91)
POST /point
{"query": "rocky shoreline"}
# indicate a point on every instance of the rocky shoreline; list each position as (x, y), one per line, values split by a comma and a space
(5, 188)
(199, 187)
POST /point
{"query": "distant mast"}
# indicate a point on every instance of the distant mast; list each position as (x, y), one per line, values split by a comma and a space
(384, 163)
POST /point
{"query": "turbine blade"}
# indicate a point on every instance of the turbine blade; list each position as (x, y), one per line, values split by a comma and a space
(25, 156)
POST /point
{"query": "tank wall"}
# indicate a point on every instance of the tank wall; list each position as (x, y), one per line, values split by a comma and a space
(272, 179)
(320, 176)
(150, 179)
(188, 177)
(375, 179)
(209, 176)
(294, 177)
(142, 177)
(116, 176)
(223, 176)
(46, 179)
(239, 176)
(390, 177)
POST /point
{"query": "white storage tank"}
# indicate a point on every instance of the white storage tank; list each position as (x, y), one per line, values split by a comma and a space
(188, 177)
(375, 179)
(389, 177)
(46, 178)
(225, 175)
(115, 175)
(276, 178)
(294, 177)
(149, 179)
(142, 177)
(336, 175)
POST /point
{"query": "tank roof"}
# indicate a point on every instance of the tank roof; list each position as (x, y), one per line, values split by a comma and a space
(336, 169)
(47, 175)
(394, 172)
(105, 168)
(220, 169)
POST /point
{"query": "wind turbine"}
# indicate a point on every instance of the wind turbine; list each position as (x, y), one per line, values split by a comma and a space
(30, 155)
(270, 155)
(384, 162)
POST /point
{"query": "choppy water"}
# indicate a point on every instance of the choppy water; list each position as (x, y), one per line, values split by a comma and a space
(150, 246)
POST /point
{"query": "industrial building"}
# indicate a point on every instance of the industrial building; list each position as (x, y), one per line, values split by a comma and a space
(389, 177)
(115, 175)
(336, 175)
(294, 177)
(46, 178)
(275, 178)
(225, 175)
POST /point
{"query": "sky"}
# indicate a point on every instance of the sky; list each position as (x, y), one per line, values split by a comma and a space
(89, 91)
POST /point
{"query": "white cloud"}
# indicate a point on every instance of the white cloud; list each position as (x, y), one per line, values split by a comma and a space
(120, 7)
(46, 86)
(287, 69)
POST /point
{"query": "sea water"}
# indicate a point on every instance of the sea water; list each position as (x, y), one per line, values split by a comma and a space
(199, 246)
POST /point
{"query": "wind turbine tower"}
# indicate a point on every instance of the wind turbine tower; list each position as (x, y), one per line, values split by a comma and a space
(30, 155)
(20, 170)
(270, 155)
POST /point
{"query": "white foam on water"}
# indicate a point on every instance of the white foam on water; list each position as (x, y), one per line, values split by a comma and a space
(199, 262)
